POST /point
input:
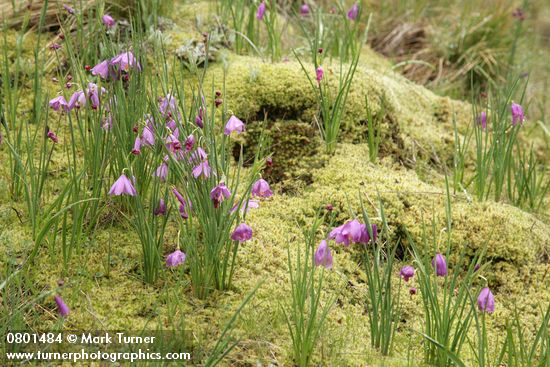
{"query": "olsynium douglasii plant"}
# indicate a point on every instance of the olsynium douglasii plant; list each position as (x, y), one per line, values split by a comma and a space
(332, 101)
(495, 143)
(485, 305)
(158, 147)
(382, 303)
(244, 23)
(445, 291)
(504, 168)
(214, 199)
(309, 307)
(29, 172)
(267, 13)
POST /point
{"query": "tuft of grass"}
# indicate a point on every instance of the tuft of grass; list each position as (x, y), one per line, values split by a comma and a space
(307, 313)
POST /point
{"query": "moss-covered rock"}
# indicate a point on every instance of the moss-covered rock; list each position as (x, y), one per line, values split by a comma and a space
(417, 124)
(511, 235)
(294, 147)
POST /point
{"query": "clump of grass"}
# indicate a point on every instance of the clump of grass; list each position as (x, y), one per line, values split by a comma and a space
(349, 42)
(504, 168)
(442, 45)
(307, 313)
(382, 303)
(520, 349)
(445, 294)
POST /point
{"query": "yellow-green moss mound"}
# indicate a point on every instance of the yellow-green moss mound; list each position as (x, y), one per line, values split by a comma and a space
(108, 293)
(417, 124)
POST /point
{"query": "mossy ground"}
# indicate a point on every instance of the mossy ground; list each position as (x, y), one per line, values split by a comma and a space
(107, 292)
(103, 282)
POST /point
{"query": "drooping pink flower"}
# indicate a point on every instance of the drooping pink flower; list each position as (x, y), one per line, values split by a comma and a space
(171, 124)
(108, 20)
(366, 236)
(93, 94)
(407, 272)
(233, 124)
(323, 257)
(123, 186)
(261, 11)
(52, 136)
(162, 172)
(319, 74)
(242, 233)
(178, 195)
(55, 46)
(440, 265)
(412, 291)
(161, 208)
(101, 69)
(353, 12)
(169, 106)
(199, 117)
(350, 231)
(189, 143)
(172, 143)
(261, 189)
(486, 301)
(175, 258)
(335, 233)
(59, 102)
(183, 210)
(68, 9)
(198, 155)
(148, 136)
(304, 9)
(183, 203)
(137, 146)
(517, 114)
(202, 169)
(78, 99)
(219, 194)
(198, 121)
(482, 120)
(125, 61)
(62, 308)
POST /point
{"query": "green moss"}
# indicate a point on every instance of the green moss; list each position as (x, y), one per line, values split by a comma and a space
(417, 125)
(510, 234)
(295, 149)
(186, 24)
(106, 292)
